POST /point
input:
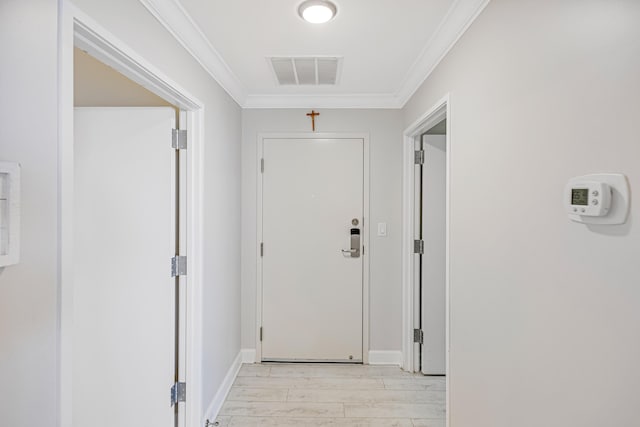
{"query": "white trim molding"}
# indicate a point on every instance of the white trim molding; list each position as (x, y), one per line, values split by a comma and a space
(323, 101)
(223, 391)
(414, 131)
(173, 16)
(441, 110)
(248, 355)
(385, 357)
(456, 22)
(78, 29)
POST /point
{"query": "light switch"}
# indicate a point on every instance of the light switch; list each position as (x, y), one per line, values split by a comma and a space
(382, 229)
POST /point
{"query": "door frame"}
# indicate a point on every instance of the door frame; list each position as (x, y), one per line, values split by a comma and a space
(365, 232)
(412, 135)
(78, 29)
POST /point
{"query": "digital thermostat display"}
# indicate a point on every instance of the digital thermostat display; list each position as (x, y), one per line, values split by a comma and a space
(580, 196)
(587, 198)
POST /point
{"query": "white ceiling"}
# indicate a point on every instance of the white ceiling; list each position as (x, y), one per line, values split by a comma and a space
(388, 47)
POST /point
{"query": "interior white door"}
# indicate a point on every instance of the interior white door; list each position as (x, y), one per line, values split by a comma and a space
(433, 307)
(313, 194)
(125, 236)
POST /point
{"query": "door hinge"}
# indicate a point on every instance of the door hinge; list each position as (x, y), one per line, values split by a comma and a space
(178, 393)
(179, 139)
(178, 266)
(418, 336)
(418, 247)
(418, 157)
(261, 249)
(260, 333)
(262, 165)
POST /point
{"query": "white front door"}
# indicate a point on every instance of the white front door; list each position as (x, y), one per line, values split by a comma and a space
(313, 197)
(124, 295)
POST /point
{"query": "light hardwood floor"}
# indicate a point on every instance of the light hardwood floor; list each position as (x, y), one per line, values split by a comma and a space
(276, 394)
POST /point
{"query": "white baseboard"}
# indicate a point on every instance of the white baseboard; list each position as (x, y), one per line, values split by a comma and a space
(216, 404)
(248, 355)
(385, 357)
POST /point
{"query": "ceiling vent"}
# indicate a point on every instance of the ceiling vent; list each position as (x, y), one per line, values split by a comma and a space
(300, 71)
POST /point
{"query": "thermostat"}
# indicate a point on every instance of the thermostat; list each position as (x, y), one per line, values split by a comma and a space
(588, 198)
(597, 199)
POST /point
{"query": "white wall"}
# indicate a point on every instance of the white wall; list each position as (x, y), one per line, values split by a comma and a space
(385, 130)
(545, 312)
(28, 134)
(28, 306)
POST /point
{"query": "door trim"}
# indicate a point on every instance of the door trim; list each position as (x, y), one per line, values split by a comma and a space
(412, 134)
(78, 29)
(365, 235)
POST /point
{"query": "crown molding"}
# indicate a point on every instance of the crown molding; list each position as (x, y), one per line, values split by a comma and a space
(172, 15)
(455, 23)
(323, 101)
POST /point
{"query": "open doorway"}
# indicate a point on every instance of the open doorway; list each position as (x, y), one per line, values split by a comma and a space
(430, 230)
(127, 181)
(425, 254)
(129, 312)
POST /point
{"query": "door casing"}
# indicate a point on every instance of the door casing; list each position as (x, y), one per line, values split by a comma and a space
(412, 134)
(365, 229)
(78, 29)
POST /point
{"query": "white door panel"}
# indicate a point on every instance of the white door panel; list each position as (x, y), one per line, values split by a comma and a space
(434, 257)
(123, 338)
(312, 292)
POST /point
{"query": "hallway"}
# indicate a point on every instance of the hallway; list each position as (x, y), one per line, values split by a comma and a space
(160, 283)
(287, 394)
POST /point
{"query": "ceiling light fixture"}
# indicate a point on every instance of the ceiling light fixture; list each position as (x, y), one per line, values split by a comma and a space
(317, 11)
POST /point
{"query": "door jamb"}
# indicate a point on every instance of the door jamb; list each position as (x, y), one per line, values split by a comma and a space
(365, 235)
(442, 109)
(78, 29)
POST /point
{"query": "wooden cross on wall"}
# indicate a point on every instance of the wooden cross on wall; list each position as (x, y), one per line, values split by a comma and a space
(313, 115)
